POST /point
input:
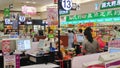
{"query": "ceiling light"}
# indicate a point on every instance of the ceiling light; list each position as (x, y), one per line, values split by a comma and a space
(27, 2)
(34, 2)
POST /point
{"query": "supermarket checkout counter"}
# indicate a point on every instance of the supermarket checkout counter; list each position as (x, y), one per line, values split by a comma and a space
(78, 61)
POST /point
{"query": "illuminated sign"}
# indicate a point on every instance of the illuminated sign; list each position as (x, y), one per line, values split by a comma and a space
(29, 10)
(110, 4)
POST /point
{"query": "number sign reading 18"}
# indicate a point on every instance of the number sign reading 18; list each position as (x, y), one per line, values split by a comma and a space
(67, 4)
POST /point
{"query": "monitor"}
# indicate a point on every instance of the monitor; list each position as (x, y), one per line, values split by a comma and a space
(23, 44)
(113, 50)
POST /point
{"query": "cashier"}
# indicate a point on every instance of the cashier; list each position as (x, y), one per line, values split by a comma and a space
(51, 34)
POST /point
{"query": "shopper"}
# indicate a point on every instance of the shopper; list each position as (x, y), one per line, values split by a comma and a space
(70, 39)
(90, 45)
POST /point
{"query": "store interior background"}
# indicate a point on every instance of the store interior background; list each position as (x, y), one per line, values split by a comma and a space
(85, 6)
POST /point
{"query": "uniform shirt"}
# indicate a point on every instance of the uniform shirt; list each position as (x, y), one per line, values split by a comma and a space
(90, 47)
(50, 35)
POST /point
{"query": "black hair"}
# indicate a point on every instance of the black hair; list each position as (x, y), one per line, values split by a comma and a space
(80, 30)
(72, 31)
(115, 27)
(50, 30)
(69, 31)
(88, 33)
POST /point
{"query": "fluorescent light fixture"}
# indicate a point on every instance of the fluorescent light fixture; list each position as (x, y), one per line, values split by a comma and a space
(27, 2)
(80, 1)
(34, 2)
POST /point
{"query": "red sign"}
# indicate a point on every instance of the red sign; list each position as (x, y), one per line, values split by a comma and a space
(55, 1)
(6, 47)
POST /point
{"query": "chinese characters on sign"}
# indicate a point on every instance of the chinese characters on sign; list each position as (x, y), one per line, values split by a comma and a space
(110, 4)
(96, 15)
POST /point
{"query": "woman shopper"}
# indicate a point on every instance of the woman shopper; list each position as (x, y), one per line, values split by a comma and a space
(90, 45)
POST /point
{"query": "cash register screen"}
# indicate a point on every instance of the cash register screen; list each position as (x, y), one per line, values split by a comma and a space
(113, 50)
(23, 44)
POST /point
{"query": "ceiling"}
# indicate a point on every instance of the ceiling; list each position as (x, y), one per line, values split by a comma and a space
(39, 4)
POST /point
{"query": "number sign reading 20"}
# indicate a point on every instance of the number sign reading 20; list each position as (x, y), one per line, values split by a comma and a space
(67, 4)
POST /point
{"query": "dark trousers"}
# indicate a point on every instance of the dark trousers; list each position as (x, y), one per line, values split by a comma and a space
(52, 56)
(46, 58)
(77, 49)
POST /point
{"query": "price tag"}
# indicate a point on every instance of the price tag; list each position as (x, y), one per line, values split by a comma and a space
(67, 4)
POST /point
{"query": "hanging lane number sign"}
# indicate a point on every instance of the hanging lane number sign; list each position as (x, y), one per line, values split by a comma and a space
(66, 4)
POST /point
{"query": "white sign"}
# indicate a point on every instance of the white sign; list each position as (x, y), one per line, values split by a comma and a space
(7, 21)
(67, 4)
(22, 18)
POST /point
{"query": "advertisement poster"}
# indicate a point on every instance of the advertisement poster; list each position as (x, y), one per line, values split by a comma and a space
(6, 47)
(11, 61)
(113, 64)
(52, 16)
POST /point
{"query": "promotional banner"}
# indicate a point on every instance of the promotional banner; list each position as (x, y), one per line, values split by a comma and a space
(52, 16)
(11, 61)
(6, 47)
(106, 16)
(107, 4)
